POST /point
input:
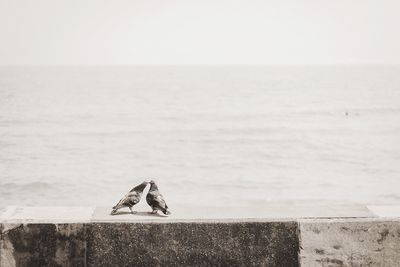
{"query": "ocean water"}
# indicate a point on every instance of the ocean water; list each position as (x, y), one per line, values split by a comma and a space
(210, 135)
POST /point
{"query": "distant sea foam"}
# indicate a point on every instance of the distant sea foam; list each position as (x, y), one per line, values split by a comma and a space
(210, 135)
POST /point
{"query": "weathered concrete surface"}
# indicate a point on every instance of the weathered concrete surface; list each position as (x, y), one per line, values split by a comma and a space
(356, 242)
(180, 213)
(1, 243)
(385, 211)
(43, 245)
(102, 214)
(193, 244)
(202, 236)
(2, 210)
(46, 214)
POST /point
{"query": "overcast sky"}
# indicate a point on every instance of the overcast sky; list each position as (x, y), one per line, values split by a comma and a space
(199, 32)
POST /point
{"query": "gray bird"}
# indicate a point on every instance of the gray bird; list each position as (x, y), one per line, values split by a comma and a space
(156, 200)
(130, 199)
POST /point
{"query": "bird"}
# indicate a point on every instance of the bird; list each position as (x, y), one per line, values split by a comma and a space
(132, 198)
(156, 200)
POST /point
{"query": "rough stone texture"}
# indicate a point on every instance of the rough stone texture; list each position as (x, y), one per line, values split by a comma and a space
(349, 243)
(83, 236)
(43, 245)
(193, 244)
(1, 242)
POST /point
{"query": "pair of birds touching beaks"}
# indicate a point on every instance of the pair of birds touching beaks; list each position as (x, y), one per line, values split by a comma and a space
(154, 199)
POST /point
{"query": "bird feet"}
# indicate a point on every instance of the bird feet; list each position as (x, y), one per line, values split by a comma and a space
(154, 212)
(132, 211)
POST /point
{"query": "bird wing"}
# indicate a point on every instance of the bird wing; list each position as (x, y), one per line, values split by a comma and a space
(129, 199)
(157, 200)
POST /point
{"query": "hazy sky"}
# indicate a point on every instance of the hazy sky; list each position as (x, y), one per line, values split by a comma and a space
(199, 32)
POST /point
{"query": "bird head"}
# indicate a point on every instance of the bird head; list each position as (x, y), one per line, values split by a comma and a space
(140, 187)
(153, 185)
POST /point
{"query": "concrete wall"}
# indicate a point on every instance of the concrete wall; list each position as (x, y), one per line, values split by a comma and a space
(79, 237)
(151, 244)
(351, 242)
(43, 245)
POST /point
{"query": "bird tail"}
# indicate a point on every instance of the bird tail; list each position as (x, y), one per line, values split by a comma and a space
(118, 206)
(166, 212)
(114, 211)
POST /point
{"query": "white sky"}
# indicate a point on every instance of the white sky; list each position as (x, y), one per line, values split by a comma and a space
(199, 32)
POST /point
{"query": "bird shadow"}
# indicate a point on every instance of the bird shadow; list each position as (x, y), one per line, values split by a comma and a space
(138, 213)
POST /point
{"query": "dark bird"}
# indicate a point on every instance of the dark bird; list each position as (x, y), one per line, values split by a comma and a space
(130, 199)
(156, 200)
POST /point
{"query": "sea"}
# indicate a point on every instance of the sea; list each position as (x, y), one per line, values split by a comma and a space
(221, 136)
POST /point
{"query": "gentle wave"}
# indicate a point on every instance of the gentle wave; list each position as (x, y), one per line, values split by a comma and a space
(85, 135)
